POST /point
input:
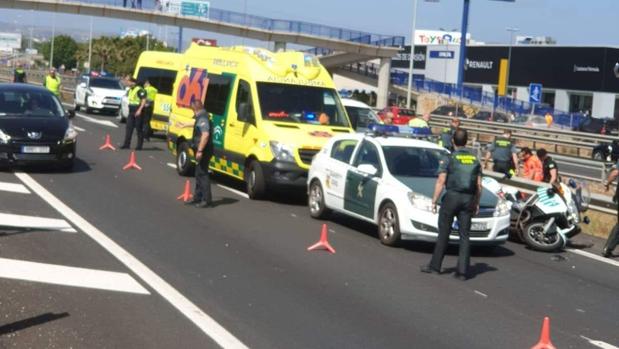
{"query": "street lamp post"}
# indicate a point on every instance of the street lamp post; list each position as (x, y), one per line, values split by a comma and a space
(509, 54)
(411, 57)
(51, 54)
(90, 48)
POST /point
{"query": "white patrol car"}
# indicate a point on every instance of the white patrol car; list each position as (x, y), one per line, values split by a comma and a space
(98, 93)
(389, 181)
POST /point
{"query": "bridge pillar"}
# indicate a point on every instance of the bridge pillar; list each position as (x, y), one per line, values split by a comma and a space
(384, 70)
(279, 46)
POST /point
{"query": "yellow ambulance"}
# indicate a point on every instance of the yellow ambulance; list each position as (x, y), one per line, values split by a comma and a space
(270, 112)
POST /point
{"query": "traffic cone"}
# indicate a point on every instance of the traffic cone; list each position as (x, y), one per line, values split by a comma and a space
(107, 144)
(186, 195)
(132, 163)
(544, 338)
(322, 243)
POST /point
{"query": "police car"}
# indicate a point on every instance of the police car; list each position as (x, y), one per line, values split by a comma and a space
(387, 177)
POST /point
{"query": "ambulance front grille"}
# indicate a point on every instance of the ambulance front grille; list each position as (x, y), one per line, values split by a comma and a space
(306, 155)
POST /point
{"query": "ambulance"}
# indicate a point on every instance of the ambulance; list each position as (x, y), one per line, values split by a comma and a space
(270, 112)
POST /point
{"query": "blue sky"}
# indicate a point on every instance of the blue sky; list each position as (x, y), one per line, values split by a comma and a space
(570, 22)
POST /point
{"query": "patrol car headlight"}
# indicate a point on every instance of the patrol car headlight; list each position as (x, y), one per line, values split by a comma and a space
(420, 202)
(4, 138)
(502, 208)
(281, 152)
(70, 135)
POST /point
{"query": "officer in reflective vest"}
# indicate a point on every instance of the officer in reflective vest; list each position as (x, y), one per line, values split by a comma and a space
(19, 75)
(151, 94)
(52, 82)
(504, 155)
(135, 120)
(448, 133)
(460, 175)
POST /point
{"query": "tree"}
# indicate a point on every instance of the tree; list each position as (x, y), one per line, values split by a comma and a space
(64, 51)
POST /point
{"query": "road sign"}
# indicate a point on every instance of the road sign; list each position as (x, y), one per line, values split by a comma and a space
(535, 93)
(198, 8)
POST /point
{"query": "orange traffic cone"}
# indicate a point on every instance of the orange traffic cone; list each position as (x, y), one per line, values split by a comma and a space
(186, 195)
(107, 144)
(322, 243)
(132, 163)
(544, 338)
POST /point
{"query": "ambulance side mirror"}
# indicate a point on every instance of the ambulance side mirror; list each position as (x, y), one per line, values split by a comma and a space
(368, 170)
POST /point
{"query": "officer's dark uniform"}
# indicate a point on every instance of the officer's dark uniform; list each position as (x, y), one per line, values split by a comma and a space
(151, 94)
(463, 169)
(203, 183)
(548, 165)
(446, 137)
(502, 149)
(136, 95)
(613, 237)
(19, 75)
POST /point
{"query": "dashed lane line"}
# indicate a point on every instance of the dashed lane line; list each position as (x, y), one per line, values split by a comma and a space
(69, 276)
(96, 121)
(207, 324)
(172, 165)
(594, 256)
(237, 192)
(14, 188)
(599, 343)
(79, 128)
(30, 222)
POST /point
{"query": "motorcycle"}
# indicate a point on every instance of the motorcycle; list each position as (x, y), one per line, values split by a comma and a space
(546, 219)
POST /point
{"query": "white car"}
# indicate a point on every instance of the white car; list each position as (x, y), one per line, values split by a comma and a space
(98, 93)
(389, 181)
(123, 113)
(360, 114)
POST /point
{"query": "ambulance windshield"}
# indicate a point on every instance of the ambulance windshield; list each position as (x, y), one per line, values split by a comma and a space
(301, 104)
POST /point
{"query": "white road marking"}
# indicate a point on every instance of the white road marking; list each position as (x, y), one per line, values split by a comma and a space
(169, 164)
(237, 192)
(481, 294)
(31, 222)
(594, 256)
(69, 276)
(207, 324)
(14, 188)
(79, 128)
(598, 343)
(96, 121)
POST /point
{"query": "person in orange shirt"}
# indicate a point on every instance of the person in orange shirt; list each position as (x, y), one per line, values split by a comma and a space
(549, 119)
(532, 165)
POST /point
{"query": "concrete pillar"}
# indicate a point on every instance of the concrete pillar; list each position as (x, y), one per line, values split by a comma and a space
(562, 100)
(279, 46)
(384, 71)
(522, 94)
(603, 105)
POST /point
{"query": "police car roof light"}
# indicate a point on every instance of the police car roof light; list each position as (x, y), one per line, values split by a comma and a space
(399, 131)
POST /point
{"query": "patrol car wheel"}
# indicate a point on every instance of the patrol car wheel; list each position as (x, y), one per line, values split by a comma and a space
(184, 167)
(388, 225)
(87, 109)
(254, 179)
(317, 201)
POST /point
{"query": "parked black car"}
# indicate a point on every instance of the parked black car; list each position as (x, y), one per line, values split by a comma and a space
(34, 128)
(599, 126)
(606, 151)
(487, 116)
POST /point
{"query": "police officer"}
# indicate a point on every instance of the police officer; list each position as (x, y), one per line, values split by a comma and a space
(135, 120)
(52, 82)
(19, 75)
(504, 155)
(460, 175)
(203, 147)
(151, 93)
(613, 237)
(447, 134)
(549, 168)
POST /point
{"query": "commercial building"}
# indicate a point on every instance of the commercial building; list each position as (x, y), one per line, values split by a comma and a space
(10, 42)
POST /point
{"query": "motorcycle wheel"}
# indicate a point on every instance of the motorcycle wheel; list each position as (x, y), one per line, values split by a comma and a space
(533, 235)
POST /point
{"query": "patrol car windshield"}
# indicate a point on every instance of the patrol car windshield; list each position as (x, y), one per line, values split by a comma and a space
(29, 104)
(413, 162)
(111, 84)
(301, 104)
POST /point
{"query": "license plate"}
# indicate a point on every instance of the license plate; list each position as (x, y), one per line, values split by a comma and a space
(112, 101)
(475, 226)
(35, 150)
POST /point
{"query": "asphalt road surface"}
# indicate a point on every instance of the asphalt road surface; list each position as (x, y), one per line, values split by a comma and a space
(120, 263)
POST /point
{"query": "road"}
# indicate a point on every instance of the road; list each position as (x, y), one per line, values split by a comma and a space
(142, 270)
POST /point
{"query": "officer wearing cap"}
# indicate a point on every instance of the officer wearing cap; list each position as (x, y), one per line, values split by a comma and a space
(447, 134)
(504, 155)
(549, 168)
(135, 120)
(460, 175)
(203, 146)
(151, 94)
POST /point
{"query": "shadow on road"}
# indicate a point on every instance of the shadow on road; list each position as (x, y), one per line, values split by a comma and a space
(31, 322)
(474, 269)
(80, 166)
(223, 202)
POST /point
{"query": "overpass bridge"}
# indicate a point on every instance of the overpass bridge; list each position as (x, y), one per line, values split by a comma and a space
(344, 46)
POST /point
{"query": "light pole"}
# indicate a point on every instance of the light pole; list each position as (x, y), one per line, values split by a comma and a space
(51, 54)
(90, 48)
(509, 54)
(411, 57)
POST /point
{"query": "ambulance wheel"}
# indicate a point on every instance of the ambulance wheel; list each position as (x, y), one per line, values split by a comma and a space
(388, 225)
(316, 201)
(184, 167)
(254, 179)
